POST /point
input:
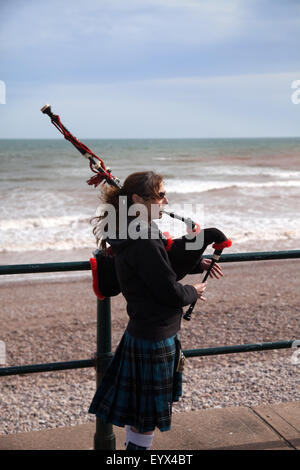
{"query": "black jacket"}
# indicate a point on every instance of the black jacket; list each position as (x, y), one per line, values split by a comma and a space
(154, 296)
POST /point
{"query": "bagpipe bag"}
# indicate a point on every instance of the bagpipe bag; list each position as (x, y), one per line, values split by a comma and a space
(184, 261)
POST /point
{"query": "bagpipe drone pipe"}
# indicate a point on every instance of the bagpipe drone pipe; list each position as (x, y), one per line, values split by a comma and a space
(184, 261)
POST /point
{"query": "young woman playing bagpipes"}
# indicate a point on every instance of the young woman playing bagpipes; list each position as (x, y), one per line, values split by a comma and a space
(143, 379)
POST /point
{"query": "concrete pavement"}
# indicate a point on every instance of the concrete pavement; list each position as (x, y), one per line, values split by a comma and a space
(265, 427)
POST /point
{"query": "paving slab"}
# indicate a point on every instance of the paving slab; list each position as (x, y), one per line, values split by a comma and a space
(268, 427)
(64, 438)
(236, 428)
(285, 418)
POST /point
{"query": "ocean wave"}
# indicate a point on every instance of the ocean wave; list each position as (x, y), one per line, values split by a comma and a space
(81, 239)
(52, 244)
(42, 222)
(46, 233)
(267, 235)
(231, 170)
(198, 186)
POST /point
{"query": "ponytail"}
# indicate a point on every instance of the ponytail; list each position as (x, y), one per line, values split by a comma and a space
(144, 183)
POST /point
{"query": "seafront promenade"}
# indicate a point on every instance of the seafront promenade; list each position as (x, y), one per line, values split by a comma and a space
(247, 401)
(265, 427)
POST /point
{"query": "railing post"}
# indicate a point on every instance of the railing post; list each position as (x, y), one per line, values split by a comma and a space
(104, 438)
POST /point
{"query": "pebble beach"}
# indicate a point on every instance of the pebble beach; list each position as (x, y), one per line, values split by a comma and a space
(48, 320)
(248, 188)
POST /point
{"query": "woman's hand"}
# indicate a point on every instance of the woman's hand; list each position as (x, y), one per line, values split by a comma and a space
(200, 288)
(216, 270)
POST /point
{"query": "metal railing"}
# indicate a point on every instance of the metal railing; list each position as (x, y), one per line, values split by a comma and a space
(104, 437)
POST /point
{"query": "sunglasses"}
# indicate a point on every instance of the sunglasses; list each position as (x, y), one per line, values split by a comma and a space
(162, 194)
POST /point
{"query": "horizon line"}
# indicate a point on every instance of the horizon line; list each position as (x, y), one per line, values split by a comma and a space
(156, 138)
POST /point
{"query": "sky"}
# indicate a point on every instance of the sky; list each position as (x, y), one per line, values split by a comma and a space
(150, 68)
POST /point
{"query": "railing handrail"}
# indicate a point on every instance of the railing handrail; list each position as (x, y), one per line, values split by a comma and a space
(84, 363)
(85, 265)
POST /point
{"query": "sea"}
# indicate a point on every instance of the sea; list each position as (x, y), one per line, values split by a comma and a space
(248, 188)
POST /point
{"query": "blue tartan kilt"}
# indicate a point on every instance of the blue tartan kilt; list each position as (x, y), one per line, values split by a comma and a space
(140, 384)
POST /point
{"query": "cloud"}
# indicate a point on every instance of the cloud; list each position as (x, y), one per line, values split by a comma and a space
(150, 68)
(227, 106)
(34, 23)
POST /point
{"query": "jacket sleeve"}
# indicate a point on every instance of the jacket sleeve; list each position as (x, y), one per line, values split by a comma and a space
(197, 269)
(154, 268)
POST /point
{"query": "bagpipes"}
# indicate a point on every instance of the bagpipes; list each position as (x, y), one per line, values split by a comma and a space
(105, 281)
(103, 174)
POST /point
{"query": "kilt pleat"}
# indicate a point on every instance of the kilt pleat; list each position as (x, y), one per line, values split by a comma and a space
(139, 385)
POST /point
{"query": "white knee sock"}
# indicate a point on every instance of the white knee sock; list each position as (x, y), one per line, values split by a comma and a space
(143, 440)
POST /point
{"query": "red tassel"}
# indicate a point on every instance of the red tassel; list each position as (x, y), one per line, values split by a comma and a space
(222, 245)
(96, 179)
(196, 230)
(97, 292)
